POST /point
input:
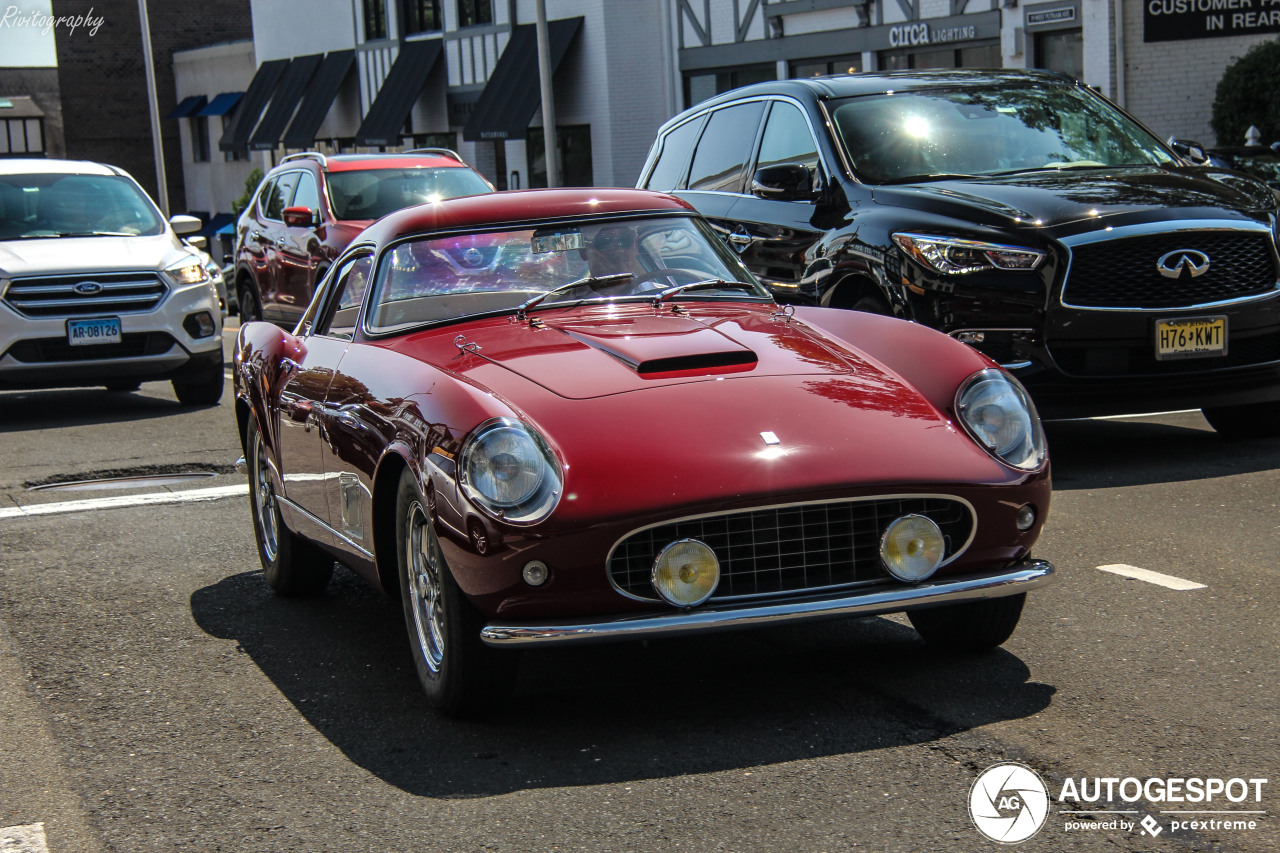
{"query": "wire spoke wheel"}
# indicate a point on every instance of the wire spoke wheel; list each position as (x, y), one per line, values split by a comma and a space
(423, 561)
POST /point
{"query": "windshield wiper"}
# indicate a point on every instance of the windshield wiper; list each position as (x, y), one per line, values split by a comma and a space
(92, 234)
(930, 176)
(589, 281)
(706, 284)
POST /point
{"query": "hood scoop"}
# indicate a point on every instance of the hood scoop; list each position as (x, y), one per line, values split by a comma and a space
(661, 344)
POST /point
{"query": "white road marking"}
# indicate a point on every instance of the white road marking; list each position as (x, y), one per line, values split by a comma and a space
(1152, 577)
(118, 501)
(23, 839)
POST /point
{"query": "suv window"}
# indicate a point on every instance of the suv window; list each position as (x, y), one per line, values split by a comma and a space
(724, 148)
(306, 194)
(787, 138)
(339, 320)
(281, 193)
(668, 172)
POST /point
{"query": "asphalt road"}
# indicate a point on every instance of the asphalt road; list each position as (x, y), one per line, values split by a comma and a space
(154, 695)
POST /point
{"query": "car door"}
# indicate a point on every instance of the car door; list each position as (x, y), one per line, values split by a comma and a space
(718, 166)
(299, 252)
(272, 237)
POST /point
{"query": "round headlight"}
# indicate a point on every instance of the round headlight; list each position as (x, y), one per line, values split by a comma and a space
(997, 412)
(912, 548)
(507, 469)
(686, 573)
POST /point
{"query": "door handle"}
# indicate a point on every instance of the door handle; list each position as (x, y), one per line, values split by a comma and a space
(741, 238)
(281, 242)
(256, 236)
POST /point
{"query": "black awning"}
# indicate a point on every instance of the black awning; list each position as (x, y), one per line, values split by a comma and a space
(221, 105)
(285, 100)
(236, 136)
(382, 124)
(190, 106)
(315, 105)
(514, 92)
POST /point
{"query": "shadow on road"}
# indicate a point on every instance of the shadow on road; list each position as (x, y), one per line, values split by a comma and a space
(50, 409)
(1094, 454)
(614, 713)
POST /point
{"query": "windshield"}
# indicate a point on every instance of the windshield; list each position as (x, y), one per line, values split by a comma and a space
(908, 135)
(373, 193)
(53, 205)
(430, 280)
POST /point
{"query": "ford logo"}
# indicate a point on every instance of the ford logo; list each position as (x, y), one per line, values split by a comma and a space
(1183, 261)
(87, 288)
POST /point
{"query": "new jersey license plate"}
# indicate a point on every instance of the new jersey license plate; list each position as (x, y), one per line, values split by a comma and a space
(1191, 337)
(99, 330)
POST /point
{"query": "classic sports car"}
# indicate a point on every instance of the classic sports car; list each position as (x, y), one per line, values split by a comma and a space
(566, 416)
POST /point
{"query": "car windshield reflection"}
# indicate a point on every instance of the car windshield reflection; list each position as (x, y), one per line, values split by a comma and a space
(437, 279)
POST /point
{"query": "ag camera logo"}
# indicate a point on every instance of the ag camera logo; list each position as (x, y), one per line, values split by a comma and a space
(1009, 802)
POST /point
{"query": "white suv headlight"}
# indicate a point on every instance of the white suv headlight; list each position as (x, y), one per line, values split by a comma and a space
(508, 470)
(997, 412)
(953, 256)
(188, 271)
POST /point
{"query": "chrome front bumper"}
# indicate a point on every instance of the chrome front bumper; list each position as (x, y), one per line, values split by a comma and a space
(1023, 576)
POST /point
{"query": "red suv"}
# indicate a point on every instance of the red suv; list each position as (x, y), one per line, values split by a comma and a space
(310, 207)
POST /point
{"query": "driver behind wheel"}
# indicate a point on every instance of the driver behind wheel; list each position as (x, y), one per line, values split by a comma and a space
(613, 249)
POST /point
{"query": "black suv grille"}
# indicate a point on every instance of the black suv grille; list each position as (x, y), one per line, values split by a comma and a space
(56, 296)
(1122, 273)
(788, 549)
(132, 345)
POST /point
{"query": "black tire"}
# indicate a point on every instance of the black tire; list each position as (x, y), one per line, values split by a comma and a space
(975, 626)
(1254, 420)
(459, 673)
(123, 386)
(250, 305)
(200, 390)
(291, 565)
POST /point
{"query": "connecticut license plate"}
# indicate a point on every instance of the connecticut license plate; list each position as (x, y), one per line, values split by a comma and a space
(99, 330)
(1193, 337)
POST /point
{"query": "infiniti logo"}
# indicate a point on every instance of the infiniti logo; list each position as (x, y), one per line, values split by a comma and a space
(1182, 261)
(87, 288)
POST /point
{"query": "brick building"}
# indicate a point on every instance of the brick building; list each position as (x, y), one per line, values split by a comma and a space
(102, 79)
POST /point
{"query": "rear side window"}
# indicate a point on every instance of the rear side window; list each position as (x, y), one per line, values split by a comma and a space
(724, 148)
(668, 172)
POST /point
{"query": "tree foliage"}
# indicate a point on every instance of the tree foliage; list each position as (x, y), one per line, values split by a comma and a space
(250, 187)
(1249, 94)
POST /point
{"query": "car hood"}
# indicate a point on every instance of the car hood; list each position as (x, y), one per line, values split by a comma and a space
(52, 255)
(1051, 199)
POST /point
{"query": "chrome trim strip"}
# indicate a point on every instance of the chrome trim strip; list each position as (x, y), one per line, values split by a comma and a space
(1026, 575)
(973, 529)
(295, 517)
(1126, 231)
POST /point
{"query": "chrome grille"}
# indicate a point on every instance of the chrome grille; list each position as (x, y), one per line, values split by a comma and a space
(788, 549)
(56, 296)
(1122, 273)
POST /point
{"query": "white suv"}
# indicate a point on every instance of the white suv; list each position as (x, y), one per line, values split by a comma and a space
(97, 289)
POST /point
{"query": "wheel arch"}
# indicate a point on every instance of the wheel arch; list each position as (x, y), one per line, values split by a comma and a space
(386, 482)
(852, 286)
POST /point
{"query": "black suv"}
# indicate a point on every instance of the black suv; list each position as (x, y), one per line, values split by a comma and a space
(1015, 210)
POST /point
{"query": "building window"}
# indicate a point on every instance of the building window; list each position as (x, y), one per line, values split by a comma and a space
(1061, 50)
(231, 156)
(199, 139)
(21, 136)
(375, 19)
(699, 87)
(850, 64)
(421, 16)
(575, 156)
(436, 140)
(475, 12)
(972, 56)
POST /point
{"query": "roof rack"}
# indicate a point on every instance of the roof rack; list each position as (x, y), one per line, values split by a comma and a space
(444, 152)
(307, 155)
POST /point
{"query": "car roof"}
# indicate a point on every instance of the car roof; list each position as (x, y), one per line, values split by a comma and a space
(355, 162)
(872, 83)
(490, 209)
(33, 166)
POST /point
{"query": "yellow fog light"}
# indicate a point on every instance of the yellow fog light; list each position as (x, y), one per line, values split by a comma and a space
(686, 573)
(912, 548)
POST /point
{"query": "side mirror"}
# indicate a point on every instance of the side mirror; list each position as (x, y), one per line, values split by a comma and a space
(183, 224)
(1189, 150)
(301, 217)
(784, 182)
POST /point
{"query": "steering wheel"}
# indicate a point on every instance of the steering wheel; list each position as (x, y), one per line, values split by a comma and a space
(673, 275)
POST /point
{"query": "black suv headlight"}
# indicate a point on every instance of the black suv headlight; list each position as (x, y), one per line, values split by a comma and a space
(953, 256)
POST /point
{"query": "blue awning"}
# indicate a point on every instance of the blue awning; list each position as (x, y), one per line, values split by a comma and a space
(188, 107)
(222, 104)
